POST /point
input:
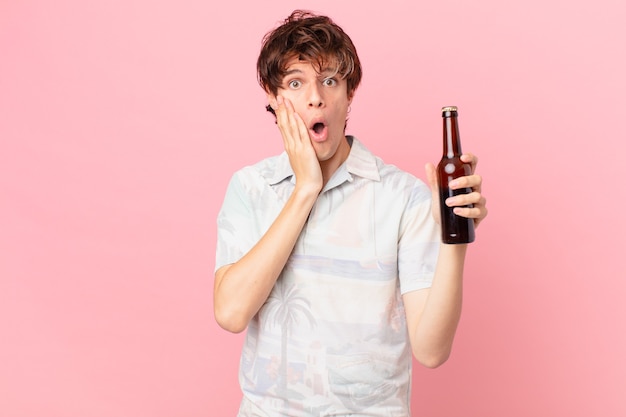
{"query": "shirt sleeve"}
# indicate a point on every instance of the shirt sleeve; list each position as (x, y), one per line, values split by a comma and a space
(418, 245)
(235, 222)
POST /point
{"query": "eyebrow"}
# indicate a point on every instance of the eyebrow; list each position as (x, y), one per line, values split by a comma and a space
(293, 71)
(325, 72)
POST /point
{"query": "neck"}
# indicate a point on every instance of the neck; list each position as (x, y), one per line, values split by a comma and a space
(330, 166)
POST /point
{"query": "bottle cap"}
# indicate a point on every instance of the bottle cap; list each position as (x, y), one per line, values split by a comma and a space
(448, 108)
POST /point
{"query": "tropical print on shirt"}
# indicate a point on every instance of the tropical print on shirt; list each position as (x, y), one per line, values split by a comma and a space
(331, 339)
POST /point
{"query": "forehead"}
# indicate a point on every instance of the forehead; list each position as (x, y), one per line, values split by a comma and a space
(319, 66)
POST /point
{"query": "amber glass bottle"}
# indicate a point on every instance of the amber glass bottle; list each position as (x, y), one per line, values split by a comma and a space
(454, 229)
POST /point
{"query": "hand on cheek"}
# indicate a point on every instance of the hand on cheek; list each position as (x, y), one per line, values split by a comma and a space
(298, 146)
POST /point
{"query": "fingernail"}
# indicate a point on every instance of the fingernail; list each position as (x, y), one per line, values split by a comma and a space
(450, 201)
(453, 183)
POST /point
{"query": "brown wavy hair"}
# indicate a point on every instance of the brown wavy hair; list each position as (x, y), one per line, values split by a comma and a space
(312, 38)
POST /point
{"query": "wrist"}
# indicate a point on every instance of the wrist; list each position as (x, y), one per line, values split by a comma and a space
(453, 252)
(307, 191)
(305, 195)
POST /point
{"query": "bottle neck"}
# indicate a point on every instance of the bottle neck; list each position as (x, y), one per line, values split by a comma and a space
(451, 137)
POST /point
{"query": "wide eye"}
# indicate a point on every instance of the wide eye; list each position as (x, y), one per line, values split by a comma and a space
(294, 84)
(329, 82)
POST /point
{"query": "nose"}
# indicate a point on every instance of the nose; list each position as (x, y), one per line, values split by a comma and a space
(315, 96)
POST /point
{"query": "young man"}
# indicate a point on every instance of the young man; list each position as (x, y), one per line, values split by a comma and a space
(330, 258)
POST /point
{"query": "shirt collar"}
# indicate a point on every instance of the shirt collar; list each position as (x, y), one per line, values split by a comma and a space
(360, 162)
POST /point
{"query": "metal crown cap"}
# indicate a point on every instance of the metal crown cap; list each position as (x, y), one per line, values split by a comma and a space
(449, 108)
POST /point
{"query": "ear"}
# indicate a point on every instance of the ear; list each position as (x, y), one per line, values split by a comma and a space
(350, 97)
(271, 98)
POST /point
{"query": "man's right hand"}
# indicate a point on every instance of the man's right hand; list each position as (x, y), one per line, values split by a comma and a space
(298, 146)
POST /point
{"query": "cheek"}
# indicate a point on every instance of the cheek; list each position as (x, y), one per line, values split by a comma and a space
(340, 110)
(295, 97)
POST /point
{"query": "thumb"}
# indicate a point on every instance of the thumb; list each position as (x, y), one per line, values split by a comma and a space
(431, 176)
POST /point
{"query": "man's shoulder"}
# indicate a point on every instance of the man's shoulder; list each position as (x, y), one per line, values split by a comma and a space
(397, 183)
(391, 176)
(266, 169)
(393, 173)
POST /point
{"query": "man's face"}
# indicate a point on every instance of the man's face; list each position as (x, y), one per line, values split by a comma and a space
(322, 102)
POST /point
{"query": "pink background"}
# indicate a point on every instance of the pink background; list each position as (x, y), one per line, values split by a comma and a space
(122, 121)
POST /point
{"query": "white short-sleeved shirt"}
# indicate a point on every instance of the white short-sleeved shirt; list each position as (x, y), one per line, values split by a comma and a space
(331, 339)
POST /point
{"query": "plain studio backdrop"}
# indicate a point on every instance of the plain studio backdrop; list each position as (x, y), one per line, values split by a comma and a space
(121, 123)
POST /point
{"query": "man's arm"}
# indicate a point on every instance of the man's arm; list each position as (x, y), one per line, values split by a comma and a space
(433, 314)
(241, 288)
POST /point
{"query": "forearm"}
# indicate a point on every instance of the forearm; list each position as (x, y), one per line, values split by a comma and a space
(437, 324)
(241, 288)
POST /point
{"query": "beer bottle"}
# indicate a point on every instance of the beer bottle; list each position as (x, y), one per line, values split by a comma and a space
(455, 229)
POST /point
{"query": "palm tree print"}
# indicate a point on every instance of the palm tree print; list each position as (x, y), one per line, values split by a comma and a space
(286, 308)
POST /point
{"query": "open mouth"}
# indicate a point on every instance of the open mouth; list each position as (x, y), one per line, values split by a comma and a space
(318, 128)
